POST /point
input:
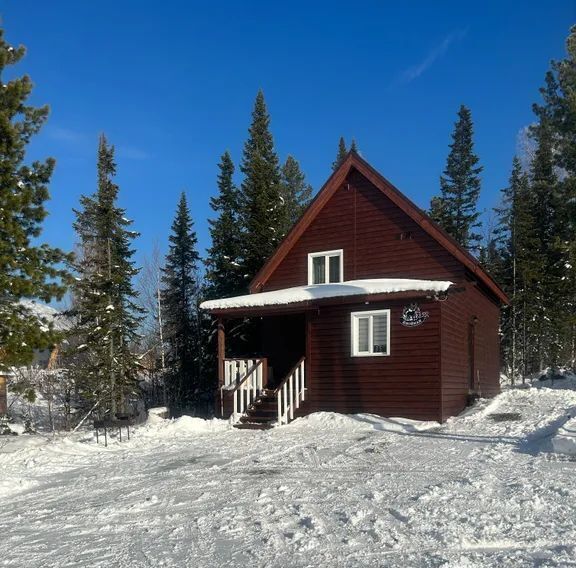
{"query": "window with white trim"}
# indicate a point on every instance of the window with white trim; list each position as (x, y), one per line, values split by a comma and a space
(326, 267)
(370, 333)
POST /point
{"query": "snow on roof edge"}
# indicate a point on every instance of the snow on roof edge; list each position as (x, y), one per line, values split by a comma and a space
(300, 294)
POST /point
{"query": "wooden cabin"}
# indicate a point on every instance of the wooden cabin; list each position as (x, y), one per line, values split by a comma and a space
(367, 306)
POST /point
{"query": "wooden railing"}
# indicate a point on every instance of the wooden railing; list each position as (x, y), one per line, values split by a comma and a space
(235, 370)
(291, 393)
(248, 389)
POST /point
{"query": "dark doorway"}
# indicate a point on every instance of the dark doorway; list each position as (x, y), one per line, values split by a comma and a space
(283, 343)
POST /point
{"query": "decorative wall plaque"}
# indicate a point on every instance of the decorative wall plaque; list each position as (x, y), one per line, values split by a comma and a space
(413, 316)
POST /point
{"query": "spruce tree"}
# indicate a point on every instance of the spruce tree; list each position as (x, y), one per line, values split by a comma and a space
(106, 314)
(181, 316)
(456, 212)
(341, 154)
(261, 200)
(224, 276)
(353, 146)
(27, 269)
(296, 193)
(514, 242)
(549, 270)
(558, 112)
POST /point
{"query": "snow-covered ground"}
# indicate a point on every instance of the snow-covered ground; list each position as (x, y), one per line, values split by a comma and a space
(327, 490)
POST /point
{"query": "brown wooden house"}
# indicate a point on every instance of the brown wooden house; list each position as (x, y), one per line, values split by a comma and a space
(367, 306)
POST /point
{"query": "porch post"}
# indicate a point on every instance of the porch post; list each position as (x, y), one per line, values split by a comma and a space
(221, 355)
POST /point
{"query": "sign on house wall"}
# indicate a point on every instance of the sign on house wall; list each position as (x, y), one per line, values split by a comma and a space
(412, 315)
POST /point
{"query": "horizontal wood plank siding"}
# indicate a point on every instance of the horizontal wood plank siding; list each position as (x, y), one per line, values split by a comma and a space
(406, 383)
(365, 223)
(457, 313)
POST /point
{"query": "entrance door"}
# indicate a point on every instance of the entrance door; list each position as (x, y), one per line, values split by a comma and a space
(471, 354)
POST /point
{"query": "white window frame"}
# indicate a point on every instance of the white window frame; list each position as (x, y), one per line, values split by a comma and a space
(354, 318)
(327, 253)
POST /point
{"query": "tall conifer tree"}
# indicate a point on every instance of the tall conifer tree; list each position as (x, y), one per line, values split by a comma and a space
(558, 111)
(261, 200)
(224, 263)
(180, 304)
(548, 268)
(296, 193)
(456, 208)
(515, 245)
(27, 269)
(340, 155)
(107, 316)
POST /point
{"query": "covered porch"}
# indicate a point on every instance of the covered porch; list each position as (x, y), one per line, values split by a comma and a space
(265, 383)
(270, 384)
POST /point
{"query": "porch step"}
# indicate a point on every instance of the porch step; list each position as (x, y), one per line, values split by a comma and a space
(253, 425)
(256, 418)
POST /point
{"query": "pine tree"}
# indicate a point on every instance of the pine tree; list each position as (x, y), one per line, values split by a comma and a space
(181, 316)
(296, 193)
(223, 265)
(27, 269)
(353, 147)
(106, 314)
(341, 155)
(261, 203)
(548, 268)
(514, 242)
(558, 111)
(456, 212)
(438, 211)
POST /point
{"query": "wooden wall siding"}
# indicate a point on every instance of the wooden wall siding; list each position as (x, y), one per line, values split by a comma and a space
(457, 312)
(363, 222)
(406, 383)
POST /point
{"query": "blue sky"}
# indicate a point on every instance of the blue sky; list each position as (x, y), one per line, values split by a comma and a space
(172, 85)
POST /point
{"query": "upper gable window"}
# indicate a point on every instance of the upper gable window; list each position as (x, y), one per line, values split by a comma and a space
(325, 267)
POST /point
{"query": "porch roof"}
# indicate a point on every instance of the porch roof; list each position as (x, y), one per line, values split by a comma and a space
(308, 294)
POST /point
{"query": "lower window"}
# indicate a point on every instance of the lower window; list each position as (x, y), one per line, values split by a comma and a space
(370, 333)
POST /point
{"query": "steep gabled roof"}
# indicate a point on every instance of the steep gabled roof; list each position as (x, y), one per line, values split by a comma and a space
(354, 161)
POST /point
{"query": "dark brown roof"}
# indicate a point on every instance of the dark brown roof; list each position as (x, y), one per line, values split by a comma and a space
(353, 160)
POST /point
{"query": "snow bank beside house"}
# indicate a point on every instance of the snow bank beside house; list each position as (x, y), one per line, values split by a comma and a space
(361, 422)
(157, 427)
(564, 442)
(320, 291)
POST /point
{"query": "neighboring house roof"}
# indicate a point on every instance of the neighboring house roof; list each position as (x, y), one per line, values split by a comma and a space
(354, 161)
(47, 314)
(301, 294)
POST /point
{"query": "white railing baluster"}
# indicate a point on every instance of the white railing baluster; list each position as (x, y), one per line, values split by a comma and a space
(244, 379)
(279, 409)
(297, 381)
(291, 390)
(290, 393)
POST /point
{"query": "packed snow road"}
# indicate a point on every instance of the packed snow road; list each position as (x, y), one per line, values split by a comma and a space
(327, 490)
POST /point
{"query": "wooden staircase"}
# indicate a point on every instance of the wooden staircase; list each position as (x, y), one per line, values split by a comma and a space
(255, 407)
(261, 414)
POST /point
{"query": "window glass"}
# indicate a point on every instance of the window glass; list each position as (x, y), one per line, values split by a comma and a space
(319, 270)
(334, 268)
(363, 339)
(379, 333)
